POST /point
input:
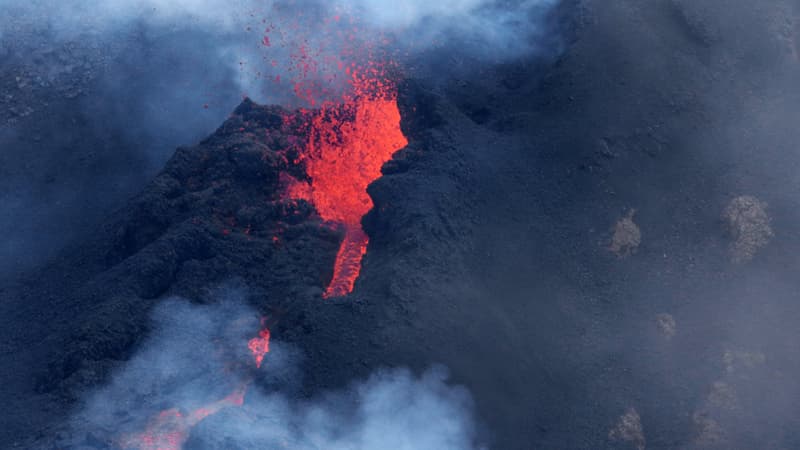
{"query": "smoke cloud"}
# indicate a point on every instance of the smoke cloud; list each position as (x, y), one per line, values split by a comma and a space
(502, 27)
(197, 356)
(492, 30)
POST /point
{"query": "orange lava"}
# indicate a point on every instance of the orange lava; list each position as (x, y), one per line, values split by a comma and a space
(347, 145)
(348, 262)
(259, 346)
(346, 148)
(353, 128)
(350, 137)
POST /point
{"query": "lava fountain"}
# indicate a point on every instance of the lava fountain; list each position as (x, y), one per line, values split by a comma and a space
(347, 145)
(352, 130)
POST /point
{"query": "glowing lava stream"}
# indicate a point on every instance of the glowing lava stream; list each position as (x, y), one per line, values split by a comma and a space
(346, 148)
(348, 262)
(170, 429)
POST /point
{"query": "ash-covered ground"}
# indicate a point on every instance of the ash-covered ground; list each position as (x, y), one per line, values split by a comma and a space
(598, 242)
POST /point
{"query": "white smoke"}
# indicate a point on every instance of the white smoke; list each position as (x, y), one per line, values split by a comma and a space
(230, 33)
(411, 12)
(484, 28)
(502, 28)
(197, 355)
(391, 410)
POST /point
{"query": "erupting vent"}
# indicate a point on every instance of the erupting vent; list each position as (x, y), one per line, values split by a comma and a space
(353, 130)
(347, 146)
(348, 142)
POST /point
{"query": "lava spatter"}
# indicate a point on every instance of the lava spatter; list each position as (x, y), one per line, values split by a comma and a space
(352, 129)
(347, 144)
(259, 346)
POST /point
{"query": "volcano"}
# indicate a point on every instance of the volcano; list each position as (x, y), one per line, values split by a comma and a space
(589, 243)
(238, 199)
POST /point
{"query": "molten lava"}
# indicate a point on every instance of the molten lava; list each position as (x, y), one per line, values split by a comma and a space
(348, 262)
(347, 77)
(259, 346)
(347, 145)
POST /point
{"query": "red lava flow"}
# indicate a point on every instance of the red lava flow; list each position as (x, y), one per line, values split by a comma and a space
(352, 130)
(347, 144)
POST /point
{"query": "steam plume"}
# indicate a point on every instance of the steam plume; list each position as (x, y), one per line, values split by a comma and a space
(501, 27)
(197, 355)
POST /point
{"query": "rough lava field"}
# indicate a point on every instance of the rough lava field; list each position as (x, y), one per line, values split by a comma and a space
(522, 224)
